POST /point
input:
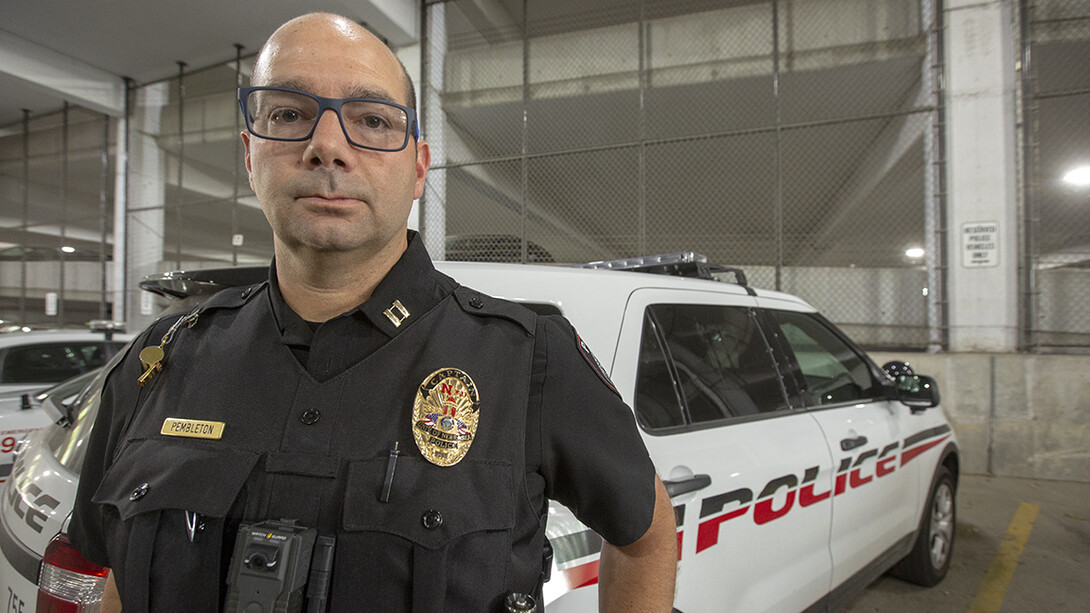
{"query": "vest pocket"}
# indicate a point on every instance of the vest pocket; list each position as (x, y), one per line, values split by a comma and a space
(442, 540)
(172, 501)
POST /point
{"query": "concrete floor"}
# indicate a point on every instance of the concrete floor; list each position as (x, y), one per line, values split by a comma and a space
(1052, 573)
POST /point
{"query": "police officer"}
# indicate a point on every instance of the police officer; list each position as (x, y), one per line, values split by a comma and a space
(358, 391)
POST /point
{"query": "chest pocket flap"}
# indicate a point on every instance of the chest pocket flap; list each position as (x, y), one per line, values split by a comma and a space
(430, 505)
(154, 475)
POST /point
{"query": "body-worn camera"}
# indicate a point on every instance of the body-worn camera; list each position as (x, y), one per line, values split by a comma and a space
(270, 567)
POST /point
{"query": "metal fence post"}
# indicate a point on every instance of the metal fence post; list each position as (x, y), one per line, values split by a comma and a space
(102, 211)
(64, 213)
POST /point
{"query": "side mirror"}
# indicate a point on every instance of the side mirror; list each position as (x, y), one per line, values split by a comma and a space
(918, 392)
(897, 368)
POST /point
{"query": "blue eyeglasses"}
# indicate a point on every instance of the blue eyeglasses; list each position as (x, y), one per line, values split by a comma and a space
(280, 113)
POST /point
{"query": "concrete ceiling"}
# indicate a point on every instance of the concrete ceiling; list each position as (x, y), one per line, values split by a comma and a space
(57, 50)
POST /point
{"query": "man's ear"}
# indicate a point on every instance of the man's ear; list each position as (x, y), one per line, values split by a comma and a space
(423, 162)
(245, 135)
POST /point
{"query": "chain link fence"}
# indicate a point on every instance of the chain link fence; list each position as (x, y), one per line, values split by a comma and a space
(56, 200)
(189, 205)
(1056, 102)
(800, 140)
(187, 202)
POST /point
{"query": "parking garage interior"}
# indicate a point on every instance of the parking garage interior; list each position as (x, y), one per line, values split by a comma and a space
(918, 170)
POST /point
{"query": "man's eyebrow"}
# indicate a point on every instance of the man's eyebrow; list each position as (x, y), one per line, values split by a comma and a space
(373, 94)
(358, 92)
(289, 84)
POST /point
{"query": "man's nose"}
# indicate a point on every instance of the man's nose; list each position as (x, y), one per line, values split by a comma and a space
(328, 146)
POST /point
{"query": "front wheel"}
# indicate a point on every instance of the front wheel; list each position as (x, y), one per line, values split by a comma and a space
(929, 559)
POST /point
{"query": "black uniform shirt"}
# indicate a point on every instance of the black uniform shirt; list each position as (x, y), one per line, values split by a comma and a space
(582, 447)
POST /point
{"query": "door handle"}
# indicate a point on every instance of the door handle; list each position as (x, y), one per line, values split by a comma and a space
(684, 486)
(847, 444)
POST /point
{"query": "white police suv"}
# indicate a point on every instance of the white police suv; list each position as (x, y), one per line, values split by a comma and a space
(799, 470)
(34, 361)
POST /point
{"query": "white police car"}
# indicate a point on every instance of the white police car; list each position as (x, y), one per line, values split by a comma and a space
(799, 470)
(33, 360)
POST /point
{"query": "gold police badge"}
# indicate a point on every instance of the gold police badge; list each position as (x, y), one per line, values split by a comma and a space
(445, 416)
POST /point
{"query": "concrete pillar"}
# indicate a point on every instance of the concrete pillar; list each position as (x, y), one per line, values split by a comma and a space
(121, 193)
(982, 220)
(147, 195)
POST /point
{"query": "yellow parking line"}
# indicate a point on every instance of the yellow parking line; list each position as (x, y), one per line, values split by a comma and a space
(990, 596)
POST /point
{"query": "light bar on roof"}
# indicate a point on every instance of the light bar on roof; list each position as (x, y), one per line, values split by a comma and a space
(647, 261)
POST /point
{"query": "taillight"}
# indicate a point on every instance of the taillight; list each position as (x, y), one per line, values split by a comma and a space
(68, 582)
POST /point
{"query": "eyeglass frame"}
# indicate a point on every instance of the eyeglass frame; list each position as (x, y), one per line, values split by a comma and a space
(412, 126)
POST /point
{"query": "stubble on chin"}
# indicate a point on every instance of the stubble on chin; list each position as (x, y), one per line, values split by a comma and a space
(323, 233)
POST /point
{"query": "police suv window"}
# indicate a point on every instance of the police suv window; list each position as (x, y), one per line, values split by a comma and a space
(54, 362)
(832, 372)
(702, 363)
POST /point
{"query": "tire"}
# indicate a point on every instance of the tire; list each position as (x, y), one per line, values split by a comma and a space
(929, 559)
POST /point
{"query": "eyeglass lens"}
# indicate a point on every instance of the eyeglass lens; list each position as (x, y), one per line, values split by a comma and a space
(288, 115)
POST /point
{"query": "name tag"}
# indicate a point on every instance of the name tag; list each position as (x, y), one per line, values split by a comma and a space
(192, 428)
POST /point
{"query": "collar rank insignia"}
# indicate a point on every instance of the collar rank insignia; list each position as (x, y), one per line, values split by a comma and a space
(396, 317)
(445, 416)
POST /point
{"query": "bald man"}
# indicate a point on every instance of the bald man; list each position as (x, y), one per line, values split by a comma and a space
(358, 403)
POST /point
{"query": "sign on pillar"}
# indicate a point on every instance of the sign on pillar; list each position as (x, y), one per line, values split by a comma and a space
(980, 244)
(147, 303)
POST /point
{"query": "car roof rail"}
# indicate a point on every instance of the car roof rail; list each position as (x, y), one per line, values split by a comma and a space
(106, 325)
(679, 264)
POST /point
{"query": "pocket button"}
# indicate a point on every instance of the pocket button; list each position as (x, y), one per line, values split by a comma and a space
(139, 492)
(432, 519)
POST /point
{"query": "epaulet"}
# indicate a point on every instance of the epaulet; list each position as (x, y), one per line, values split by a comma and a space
(476, 303)
(229, 298)
(232, 297)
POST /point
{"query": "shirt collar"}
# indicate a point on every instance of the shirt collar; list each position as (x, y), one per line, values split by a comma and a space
(293, 329)
(410, 289)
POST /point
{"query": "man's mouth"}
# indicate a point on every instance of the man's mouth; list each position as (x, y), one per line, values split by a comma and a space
(329, 204)
(329, 198)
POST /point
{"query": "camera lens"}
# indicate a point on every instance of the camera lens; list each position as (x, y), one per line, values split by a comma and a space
(257, 561)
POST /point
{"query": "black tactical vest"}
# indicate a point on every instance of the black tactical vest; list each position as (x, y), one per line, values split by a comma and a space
(449, 538)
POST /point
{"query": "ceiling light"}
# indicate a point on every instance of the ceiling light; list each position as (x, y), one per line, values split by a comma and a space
(68, 249)
(1079, 176)
(914, 252)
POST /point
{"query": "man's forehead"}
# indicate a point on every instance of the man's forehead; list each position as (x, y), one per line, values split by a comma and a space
(334, 66)
(345, 90)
